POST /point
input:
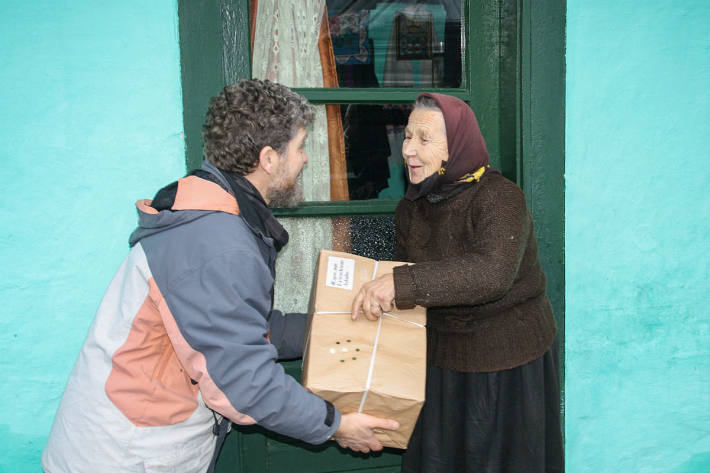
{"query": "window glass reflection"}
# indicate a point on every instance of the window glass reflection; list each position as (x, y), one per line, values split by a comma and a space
(396, 43)
(369, 236)
(373, 150)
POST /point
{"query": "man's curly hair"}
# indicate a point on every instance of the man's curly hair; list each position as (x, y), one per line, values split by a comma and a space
(249, 115)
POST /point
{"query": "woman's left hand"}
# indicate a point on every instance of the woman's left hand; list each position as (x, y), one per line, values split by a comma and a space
(375, 297)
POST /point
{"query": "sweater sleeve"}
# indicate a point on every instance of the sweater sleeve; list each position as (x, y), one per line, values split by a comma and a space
(492, 258)
(219, 310)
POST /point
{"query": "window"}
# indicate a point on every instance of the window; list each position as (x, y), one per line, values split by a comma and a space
(335, 53)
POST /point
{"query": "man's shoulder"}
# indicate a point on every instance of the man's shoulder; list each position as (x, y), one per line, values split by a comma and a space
(223, 230)
(215, 243)
(202, 239)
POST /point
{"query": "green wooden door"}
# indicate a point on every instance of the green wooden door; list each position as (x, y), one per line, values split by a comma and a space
(512, 75)
(256, 450)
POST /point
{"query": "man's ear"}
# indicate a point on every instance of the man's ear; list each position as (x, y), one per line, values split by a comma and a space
(268, 159)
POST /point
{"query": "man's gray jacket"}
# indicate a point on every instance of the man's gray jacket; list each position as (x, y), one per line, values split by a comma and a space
(182, 329)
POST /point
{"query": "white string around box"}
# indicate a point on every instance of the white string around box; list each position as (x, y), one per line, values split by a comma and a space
(368, 383)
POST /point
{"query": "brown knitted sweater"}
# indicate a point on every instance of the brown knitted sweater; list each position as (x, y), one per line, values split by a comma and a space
(478, 273)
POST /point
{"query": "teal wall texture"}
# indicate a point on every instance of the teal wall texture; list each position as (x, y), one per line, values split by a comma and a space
(637, 226)
(90, 121)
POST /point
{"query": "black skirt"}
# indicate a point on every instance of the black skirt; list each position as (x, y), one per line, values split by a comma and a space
(501, 422)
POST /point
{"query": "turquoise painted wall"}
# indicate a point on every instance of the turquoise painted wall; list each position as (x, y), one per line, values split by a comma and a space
(90, 121)
(637, 233)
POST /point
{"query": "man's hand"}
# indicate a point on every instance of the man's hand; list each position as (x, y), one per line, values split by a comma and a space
(375, 297)
(356, 431)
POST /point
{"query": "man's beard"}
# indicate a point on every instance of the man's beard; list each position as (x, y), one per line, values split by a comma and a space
(285, 194)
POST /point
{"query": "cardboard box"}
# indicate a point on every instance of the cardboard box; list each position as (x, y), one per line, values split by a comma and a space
(378, 368)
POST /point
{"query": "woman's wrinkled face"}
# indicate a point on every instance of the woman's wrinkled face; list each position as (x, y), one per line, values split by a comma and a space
(424, 146)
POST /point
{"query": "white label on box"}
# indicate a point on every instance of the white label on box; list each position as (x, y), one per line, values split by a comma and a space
(341, 272)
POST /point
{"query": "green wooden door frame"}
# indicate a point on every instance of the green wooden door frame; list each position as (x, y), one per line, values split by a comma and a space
(213, 35)
(541, 141)
(520, 80)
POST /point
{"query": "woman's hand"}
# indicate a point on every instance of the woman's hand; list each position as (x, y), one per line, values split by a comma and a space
(375, 297)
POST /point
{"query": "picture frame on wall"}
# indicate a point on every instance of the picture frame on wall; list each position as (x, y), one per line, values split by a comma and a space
(413, 37)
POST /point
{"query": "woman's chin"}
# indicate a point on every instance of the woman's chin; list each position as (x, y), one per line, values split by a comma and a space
(415, 179)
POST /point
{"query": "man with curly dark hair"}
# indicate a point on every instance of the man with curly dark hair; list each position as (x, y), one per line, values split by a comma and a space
(248, 117)
(186, 340)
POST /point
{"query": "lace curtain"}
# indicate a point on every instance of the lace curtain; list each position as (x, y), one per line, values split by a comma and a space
(285, 50)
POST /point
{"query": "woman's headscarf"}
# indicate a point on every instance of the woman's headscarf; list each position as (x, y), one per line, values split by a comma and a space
(468, 157)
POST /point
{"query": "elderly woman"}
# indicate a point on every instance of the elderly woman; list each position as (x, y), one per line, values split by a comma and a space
(492, 393)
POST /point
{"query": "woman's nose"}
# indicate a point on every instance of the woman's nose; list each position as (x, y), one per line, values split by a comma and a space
(407, 148)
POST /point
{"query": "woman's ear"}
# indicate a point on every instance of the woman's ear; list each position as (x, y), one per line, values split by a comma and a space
(268, 159)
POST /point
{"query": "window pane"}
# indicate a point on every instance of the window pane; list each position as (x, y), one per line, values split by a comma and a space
(359, 156)
(355, 153)
(373, 149)
(396, 44)
(369, 236)
(372, 237)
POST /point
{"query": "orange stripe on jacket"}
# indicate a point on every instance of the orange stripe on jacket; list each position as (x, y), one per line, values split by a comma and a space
(144, 205)
(194, 193)
(196, 365)
(147, 383)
